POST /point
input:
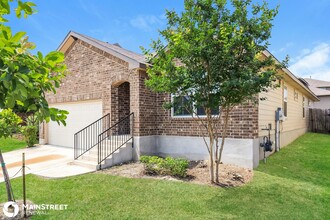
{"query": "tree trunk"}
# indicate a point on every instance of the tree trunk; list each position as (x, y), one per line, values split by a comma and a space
(211, 136)
(211, 163)
(211, 153)
(217, 161)
(6, 178)
(224, 134)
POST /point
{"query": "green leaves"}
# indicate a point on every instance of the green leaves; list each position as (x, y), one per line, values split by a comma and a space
(25, 8)
(53, 58)
(58, 115)
(9, 122)
(25, 79)
(17, 37)
(212, 50)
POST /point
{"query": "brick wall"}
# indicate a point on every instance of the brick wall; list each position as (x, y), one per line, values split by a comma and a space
(95, 74)
(148, 111)
(243, 122)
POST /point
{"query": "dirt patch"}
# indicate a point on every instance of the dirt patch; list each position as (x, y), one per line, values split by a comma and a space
(198, 172)
(230, 175)
(20, 213)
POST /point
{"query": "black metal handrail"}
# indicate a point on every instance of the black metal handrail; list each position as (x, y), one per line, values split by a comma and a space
(87, 138)
(110, 140)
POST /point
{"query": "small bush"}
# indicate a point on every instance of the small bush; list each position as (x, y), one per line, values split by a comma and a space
(30, 131)
(30, 135)
(168, 166)
(9, 122)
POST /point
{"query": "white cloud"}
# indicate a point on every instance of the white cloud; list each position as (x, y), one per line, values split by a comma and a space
(313, 63)
(146, 22)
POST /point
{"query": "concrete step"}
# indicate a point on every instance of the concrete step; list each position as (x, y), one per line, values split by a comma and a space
(94, 150)
(84, 163)
(94, 157)
(89, 159)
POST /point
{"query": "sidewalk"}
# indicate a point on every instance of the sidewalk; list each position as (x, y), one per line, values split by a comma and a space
(43, 160)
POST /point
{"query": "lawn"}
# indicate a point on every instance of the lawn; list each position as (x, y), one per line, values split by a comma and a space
(9, 144)
(294, 184)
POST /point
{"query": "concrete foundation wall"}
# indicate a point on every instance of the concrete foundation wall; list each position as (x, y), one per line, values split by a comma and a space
(289, 136)
(285, 139)
(144, 145)
(240, 152)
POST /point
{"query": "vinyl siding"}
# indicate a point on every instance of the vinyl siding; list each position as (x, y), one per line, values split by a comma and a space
(274, 99)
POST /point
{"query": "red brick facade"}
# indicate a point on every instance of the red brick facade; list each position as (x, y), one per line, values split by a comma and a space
(96, 74)
(243, 122)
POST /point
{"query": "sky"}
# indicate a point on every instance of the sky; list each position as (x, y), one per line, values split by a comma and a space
(301, 28)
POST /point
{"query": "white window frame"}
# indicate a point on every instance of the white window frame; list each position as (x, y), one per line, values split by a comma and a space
(304, 104)
(285, 99)
(187, 116)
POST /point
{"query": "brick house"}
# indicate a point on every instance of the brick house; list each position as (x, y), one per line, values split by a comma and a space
(108, 80)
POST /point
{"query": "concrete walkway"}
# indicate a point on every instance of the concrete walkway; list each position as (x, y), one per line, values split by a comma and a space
(43, 160)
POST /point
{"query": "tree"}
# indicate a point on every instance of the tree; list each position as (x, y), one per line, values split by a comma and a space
(26, 78)
(219, 51)
(9, 122)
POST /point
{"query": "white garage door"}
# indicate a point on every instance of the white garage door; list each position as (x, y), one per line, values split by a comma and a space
(81, 114)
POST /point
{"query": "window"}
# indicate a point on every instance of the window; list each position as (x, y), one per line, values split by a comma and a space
(295, 95)
(303, 107)
(181, 108)
(285, 101)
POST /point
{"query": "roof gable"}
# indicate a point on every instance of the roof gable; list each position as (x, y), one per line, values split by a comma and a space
(133, 59)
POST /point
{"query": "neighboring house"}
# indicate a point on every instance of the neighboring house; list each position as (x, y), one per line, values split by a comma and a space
(321, 89)
(107, 79)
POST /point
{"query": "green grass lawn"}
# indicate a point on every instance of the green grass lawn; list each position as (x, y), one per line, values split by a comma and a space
(9, 144)
(294, 184)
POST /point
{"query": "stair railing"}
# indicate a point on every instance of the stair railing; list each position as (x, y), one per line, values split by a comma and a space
(87, 138)
(112, 139)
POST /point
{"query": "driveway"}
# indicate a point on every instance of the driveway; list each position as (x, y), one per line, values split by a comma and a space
(43, 160)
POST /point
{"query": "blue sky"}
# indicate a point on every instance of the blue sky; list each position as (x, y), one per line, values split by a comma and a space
(301, 29)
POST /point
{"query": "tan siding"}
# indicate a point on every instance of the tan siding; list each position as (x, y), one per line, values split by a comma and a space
(274, 99)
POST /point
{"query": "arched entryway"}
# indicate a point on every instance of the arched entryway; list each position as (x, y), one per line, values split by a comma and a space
(120, 105)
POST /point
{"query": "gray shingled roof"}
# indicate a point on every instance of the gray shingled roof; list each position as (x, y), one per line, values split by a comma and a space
(135, 60)
(138, 57)
(316, 85)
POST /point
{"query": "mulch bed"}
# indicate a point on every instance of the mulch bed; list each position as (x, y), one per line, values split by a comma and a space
(198, 172)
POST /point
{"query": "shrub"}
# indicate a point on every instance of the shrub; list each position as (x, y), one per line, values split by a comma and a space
(178, 167)
(30, 135)
(30, 131)
(168, 166)
(9, 122)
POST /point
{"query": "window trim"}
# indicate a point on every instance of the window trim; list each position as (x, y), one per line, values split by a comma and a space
(285, 100)
(296, 95)
(303, 106)
(194, 115)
